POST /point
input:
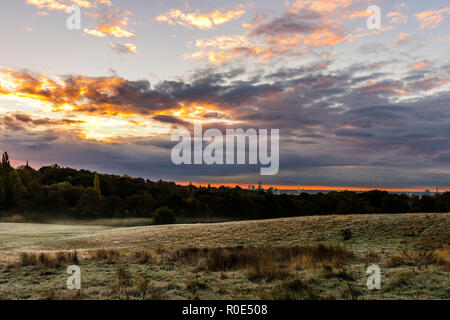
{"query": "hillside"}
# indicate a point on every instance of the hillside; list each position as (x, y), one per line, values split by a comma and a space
(378, 231)
(290, 258)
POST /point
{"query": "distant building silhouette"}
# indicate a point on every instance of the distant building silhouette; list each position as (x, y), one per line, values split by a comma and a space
(26, 166)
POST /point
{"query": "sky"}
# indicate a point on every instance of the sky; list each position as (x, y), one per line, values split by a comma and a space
(356, 107)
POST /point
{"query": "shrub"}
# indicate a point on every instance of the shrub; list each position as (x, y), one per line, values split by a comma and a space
(122, 283)
(412, 258)
(142, 286)
(193, 285)
(268, 271)
(47, 260)
(443, 257)
(291, 289)
(164, 215)
(344, 275)
(111, 256)
(17, 218)
(401, 280)
(346, 234)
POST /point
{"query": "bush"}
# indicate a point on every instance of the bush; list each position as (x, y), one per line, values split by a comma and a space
(346, 234)
(17, 218)
(164, 215)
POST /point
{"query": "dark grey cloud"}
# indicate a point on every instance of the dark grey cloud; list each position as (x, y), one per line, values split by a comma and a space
(169, 119)
(306, 21)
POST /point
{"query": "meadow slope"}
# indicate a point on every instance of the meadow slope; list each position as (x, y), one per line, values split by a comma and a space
(290, 258)
(390, 232)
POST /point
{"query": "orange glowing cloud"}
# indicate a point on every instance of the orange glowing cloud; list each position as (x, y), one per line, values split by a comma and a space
(403, 38)
(123, 47)
(99, 108)
(306, 24)
(397, 17)
(77, 93)
(198, 111)
(418, 65)
(224, 48)
(432, 18)
(63, 5)
(113, 23)
(199, 20)
(357, 14)
(48, 4)
(319, 5)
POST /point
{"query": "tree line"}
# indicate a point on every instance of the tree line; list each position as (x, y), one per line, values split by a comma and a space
(69, 193)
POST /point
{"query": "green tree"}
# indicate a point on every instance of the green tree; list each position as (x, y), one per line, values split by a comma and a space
(164, 215)
(97, 184)
(89, 205)
(10, 184)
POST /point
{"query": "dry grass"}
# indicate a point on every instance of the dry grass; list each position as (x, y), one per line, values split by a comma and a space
(412, 258)
(121, 287)
(401, 280)
(47, 260)
(443, 257)
(224, 259)
(17, 218)
(111, 256)
(295, 289)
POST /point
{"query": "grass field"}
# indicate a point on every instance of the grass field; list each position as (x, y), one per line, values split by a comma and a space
(291, 258)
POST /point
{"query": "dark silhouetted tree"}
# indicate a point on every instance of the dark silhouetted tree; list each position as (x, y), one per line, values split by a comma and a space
(97, 184)
(10, 185)
(164, 215)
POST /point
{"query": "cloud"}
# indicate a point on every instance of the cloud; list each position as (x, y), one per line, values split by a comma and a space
(217, 96)
(125, 48)
(403, 38)
(270, 39)
(445, 38)
(430, 83)
(25, 122)
(418, 65)
(397, 17)
(432, 18)
(223, 48)
(63, 5)
(305, 25)
(93, 32)
(199, 20)
(356, 14)
(319, 5)
(49, 4)
(113, 22)
(169, 119)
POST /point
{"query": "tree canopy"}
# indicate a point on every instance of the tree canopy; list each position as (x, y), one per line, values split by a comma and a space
(66, 192)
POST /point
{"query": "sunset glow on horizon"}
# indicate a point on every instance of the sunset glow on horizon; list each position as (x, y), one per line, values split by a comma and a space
(315, 188)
